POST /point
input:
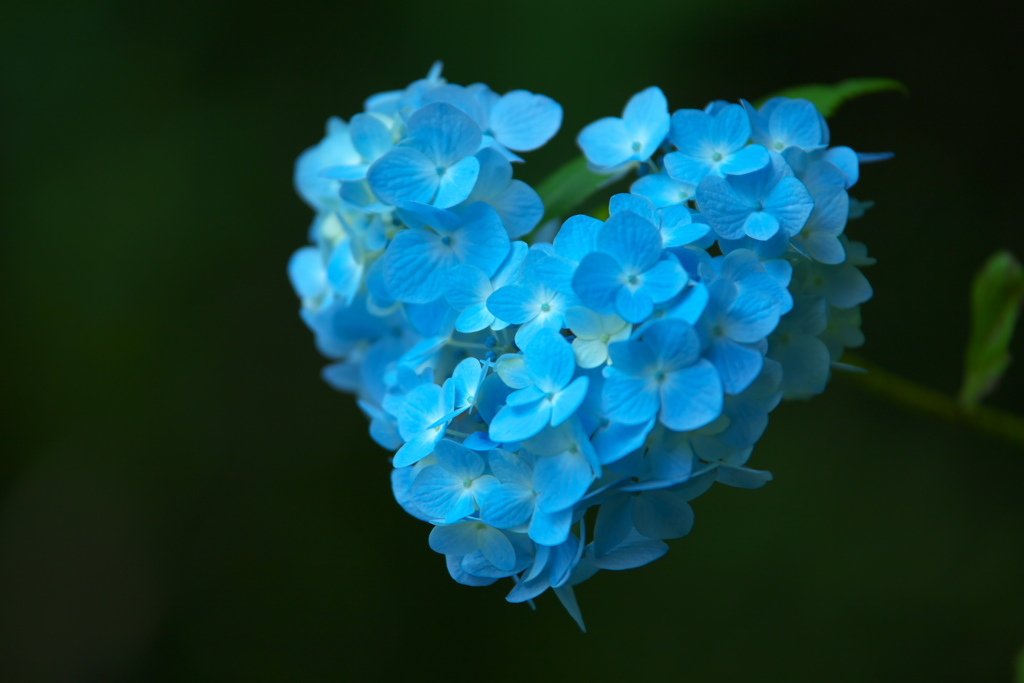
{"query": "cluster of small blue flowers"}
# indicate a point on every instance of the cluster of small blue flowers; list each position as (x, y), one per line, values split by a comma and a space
(627, 365)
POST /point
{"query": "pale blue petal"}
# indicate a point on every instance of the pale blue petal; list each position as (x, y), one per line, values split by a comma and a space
(614, 523)
(662, 190)
(790, 203)
(466, 286)
(497, 548)
(444, 133)
(507, 506)
(520, 208)
(417, 448)
(577, 237)
(403, 175)
(605, 142)
(737, 365)
(630, 202)
(631, 239)
(796, 122)
(523, 121)
(646, 121)
(307, 273)
(565, 402)
(730, 129)
(458, 460)
(455, 539)
(663, 281)
(561, 480)
(513, 304)
(745, 160)
(725, 212)
(617, 440)
(550, 362)
(437, 492)
(517, 423)
(627, 399)
(596, 281)
(455, 184)
(633, 306)
(662, 514)
(691, 398)
(687, 169)
(415, 266)
(752, 317)
(674, 343)
(481, 241)
(550, 528)
(690, 131)
(370, 136)
(761, 225)
(743, 477)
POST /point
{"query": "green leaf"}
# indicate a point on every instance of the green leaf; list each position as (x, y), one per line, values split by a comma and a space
(1020, 667)
(996, 298)
(568, 187)
(828, 98)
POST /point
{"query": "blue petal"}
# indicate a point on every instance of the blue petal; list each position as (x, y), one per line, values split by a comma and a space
(307, 273)
(523, 121)
(627, 399)
(437, 492)
(725, 212)
(633, 306)
(646, 121)
(561, 480)
(458, 460)
(630, 202)
(417, 448)
(550, 362)
(632, 240)
(746, 160)
(596, 281)
(403, 175)
(415, 266)
(605, 142)
(465, 286)
(455, 539)
(662, 190)
(513, 304)
(737, 365)
(687, 169)
(481, 240)
(674, 342)
(507, 506)
(614, 523)
(550, 528)
(662, 514)
(752, 317)
(443, 132)
(496, 547)
(663, 281)
(790, 203)
(520, 208)
(456, 183)
(370, 136)
(565, 402)
(761, 225)
(691, 398)
(730, 129)
(518, 423)
(690, 132)
(796, 122)
(577, 237)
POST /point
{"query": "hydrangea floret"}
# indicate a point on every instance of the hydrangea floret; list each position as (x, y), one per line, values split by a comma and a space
(555, 405)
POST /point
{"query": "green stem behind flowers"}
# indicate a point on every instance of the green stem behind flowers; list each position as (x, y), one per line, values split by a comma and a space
(926, 400)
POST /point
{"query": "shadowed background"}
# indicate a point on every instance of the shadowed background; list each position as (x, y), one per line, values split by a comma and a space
(182, 497)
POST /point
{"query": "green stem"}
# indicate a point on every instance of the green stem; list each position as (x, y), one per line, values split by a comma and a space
(926, 400)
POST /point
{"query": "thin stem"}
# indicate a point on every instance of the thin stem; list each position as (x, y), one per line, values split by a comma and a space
(927, 400)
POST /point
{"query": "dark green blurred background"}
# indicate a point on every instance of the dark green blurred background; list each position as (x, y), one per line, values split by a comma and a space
(182, 498)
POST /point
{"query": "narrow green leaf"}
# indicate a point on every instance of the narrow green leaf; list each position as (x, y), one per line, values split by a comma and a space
(568, 187)
(1020, 667)
(828, 98)
(996, 298)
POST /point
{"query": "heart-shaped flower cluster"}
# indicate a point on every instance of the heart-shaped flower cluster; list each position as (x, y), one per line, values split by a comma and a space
(623, 365)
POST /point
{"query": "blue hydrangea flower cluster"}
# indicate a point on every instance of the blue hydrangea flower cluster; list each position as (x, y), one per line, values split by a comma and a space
(620, 368)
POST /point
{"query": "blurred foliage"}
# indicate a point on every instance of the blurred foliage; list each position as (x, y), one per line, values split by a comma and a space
(182, 498)
(829, 97)
(997, 295)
